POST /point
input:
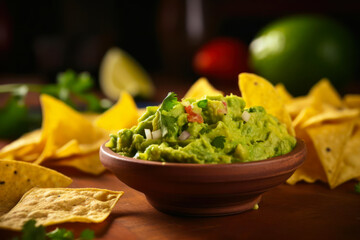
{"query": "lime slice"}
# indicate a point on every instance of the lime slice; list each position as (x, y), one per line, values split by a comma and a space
(120, 72)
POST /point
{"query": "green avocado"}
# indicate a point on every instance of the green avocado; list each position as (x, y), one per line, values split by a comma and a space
(215, 129)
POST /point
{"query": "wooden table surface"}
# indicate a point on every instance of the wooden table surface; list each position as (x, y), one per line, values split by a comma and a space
(304, 211)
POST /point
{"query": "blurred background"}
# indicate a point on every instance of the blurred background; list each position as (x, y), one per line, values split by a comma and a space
(38, 39)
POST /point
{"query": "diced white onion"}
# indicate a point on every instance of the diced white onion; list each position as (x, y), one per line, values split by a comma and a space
(245, 116)
(148, 134)
(184, 135)
(156, 134)
(185, 103)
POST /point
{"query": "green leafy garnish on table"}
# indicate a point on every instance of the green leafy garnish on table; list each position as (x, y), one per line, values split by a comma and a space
(16, 119)
(31, 232)
(357, 187)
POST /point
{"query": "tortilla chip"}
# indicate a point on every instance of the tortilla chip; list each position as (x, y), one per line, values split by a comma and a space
(324, 92)
(89, 163)
(123, 114)
(303, 116)
(334, 115)
(312, 170)
(50, 206)
(283, 93)
(352, 100)
(297, 105)
(350, 165)
(27, 144)
(201, 88)
(257, 91)
(16, 178)
(329, 141)
(61, 124)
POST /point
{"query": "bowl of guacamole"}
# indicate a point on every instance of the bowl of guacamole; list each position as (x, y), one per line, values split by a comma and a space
(203, 157)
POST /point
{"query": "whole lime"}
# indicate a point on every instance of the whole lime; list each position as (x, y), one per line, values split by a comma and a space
(300, 50)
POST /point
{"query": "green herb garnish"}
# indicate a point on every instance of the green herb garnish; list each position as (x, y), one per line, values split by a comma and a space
(357, 187)
(15, 119)
(218, 142)
(31, 232)
(202, 103)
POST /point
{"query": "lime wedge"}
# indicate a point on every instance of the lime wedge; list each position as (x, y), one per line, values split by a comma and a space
(120, 72)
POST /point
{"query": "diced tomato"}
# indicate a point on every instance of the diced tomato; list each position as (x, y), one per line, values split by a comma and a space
(192, 116)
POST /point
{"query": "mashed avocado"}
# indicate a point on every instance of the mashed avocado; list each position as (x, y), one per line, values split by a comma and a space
(215, 129)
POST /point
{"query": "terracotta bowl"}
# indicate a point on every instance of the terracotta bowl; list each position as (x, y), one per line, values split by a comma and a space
(203, 189)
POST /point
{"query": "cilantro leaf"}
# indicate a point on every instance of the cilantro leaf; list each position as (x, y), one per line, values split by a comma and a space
(202, 103)
(31, 232)
(167, 122)
(357, 187)
(87, 234)
(218, 142)
(169, 102)
(60, 234)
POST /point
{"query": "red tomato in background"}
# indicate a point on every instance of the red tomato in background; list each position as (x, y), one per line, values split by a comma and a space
(222, 59)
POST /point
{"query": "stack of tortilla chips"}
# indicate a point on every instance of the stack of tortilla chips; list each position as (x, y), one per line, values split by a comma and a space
(330, 127)
(67, 138)
(70, 138)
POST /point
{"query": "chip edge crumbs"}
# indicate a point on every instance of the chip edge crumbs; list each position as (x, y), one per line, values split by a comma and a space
(64, 220)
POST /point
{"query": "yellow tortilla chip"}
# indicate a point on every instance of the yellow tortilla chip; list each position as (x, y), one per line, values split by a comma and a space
(312, 170)
(27, 144)
(283, 93)
(350, 165)
(331, 115)
(297, 105)
(329, 141)
(89, 163)
(257, 91)
(201, 88)
(50, 206)
(16, 178)
(61, 124)
(324, 92)
(352, 100)
(303, 116)
(123, 114)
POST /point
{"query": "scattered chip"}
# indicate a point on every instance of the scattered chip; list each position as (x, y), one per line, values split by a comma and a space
(311, 170)
(283, 93)
(333, 115)
(123, 114)
(324, 92)
(61, 125)
(88, 163)
(26, 145)
(352, 100)
(201, 88)
(257, 91)
(50, 206)
(329, 141)
(16, 178)
(350, 165)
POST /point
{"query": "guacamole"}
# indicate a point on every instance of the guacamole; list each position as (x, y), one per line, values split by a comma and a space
(215, 129)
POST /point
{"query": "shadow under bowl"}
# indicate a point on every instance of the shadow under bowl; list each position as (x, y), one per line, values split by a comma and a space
(203, 189)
